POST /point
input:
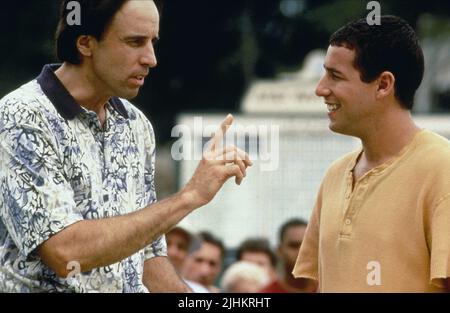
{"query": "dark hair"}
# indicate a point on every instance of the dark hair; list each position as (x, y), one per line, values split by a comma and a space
(96, 16)
(183, 232)
(392, 46)
(261, 245)
(207, 237)
(288, 224)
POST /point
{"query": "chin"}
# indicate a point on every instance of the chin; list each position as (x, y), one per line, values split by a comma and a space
(131, 97)
(333, 127)
(343, 131)
(336, 129)
(128, 94)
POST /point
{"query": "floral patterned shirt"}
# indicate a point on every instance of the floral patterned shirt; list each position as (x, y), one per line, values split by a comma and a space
(59, 166)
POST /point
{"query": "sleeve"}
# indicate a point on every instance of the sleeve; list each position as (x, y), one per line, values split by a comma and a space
(159, 246)
(36, 201)
(156, 248)
(440, 243)
(307, 262)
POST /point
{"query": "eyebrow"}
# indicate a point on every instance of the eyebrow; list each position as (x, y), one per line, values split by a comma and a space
(138, 36)
(333, 70)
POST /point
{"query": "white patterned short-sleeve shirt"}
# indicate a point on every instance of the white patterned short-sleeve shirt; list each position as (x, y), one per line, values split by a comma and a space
(59, 166)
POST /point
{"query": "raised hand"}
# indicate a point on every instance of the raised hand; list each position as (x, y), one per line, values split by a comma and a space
(216, 167)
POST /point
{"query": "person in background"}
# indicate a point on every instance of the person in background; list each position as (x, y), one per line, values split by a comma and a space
(180, 244)
(178, 241)
(290, 238)
(204, 265)
(244, 277)
(258, 251)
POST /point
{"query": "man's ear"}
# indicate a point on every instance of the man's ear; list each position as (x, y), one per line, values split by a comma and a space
(85, 45)
(386, 85)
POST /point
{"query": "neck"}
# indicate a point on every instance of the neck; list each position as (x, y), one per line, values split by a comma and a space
(81, 85)
(387, 137)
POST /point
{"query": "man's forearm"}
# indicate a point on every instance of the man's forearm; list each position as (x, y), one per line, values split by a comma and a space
(97, 243)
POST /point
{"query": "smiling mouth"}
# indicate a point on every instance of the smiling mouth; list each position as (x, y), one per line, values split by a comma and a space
(333, 107)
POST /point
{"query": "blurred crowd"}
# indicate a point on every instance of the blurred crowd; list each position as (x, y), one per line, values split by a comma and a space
(206, 265)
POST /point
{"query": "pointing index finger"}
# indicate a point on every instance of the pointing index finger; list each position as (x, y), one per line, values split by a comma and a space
(220, 132)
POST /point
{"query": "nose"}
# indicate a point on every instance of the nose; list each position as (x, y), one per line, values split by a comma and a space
(321, 89)
(148, 58)
(205, 273)
(205, 269)
(172, 250)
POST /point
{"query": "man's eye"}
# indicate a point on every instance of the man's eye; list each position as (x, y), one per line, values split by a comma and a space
(135, 43)
(335, 77)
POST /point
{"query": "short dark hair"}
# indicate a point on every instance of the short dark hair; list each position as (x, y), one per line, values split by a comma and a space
(261, 245)
(96, 16)
(392, 46)
(294, 222)
(207, 237)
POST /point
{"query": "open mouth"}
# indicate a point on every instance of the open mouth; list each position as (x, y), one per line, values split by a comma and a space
(138, 80)
(333, 107)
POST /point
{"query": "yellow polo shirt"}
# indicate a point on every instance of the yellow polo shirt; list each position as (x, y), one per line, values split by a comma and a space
(391, 233)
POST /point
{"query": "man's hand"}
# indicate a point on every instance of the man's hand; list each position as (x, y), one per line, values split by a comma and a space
(216, 167)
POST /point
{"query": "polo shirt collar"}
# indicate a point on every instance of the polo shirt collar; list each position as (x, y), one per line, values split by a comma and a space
(63, 101)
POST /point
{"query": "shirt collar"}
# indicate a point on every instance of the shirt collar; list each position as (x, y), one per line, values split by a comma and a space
(63, 101)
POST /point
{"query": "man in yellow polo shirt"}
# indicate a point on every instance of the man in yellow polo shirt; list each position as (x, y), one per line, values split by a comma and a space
(381, 222)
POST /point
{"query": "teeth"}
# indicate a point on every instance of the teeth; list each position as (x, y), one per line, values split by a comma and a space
(332, 107)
